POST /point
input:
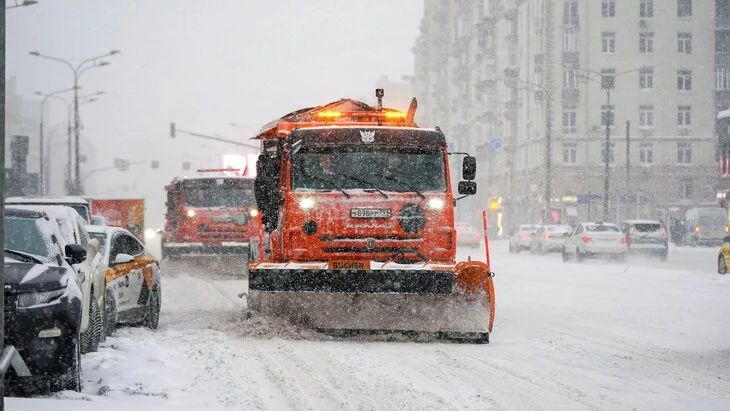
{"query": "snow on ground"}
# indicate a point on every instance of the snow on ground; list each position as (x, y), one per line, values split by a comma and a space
(639, 335)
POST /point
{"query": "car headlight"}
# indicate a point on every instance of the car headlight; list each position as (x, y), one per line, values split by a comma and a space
(306, 203)
(35, 298)
(436, 203)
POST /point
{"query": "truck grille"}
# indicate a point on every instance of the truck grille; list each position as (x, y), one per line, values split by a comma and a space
(220, 233)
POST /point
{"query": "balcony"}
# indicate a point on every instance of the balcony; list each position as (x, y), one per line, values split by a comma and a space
(571, 96)
(571, 58)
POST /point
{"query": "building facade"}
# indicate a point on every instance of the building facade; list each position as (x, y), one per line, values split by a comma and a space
(508, 79)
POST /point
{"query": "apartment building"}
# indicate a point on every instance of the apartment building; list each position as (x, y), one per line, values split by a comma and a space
(501, 76)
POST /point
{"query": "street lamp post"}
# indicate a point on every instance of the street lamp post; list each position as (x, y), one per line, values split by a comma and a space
(41, 137)
(88, 98)
(77, 71)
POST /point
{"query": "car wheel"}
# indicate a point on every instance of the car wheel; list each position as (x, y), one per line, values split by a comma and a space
(71, 379)
(663, 257)
(565, 255)
(580, 257)
(110, 314)
(540, 251)
(721, 266)
(153, 310)
(511, 248)
(621, 258)
(91, 338)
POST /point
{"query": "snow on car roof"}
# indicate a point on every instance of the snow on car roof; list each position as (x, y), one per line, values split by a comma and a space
(46, 200)
(104, 229)
(642, 222)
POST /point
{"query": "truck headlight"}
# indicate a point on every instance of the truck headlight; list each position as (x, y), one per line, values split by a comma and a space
(35, 298)
(254, 212)
(306, 203)
(150, 234)
(191, 213)
(436, 203)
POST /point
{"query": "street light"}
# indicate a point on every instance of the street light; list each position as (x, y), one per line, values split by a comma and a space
(25, 3)
(607, 82)
(41, 137)
(87, 98)
(87, 64)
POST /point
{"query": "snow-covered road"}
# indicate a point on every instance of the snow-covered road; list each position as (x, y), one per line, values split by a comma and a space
(639, 335)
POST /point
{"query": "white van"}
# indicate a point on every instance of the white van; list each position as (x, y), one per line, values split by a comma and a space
(79, 204)
(706, 226)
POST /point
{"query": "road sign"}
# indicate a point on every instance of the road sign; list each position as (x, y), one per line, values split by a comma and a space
(496, 144)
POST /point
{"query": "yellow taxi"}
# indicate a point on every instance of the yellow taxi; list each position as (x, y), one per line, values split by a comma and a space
(133, 282)
(723, 259)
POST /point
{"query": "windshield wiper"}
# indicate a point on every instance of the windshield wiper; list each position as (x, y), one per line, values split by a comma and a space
(402, 184)
(25, 256)
(330, 182)
(361, 181)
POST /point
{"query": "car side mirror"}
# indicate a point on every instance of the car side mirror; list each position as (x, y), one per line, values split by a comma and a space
(75, 254)
(566, 235)
(467, 188)
(122, 258)
(469, 168)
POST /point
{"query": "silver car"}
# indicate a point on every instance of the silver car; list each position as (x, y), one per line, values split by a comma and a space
(549, 238)
(521, 238)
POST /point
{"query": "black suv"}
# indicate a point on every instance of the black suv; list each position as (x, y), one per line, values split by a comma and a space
(42, 303)
(648, 237)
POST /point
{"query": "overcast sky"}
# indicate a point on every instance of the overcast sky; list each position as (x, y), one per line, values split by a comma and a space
(205, 64)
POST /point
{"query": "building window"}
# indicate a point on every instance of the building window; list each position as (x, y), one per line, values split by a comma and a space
(646, 154)
(684, 116)
(646, 8)
(570, 80)
(646, 78)
(684, 80)
(722, 41)
(611, 152)
(570, 40)
(684, 8)
(570, 12)
(607, 114)
(608, 77)
(684, 152)
(608, 8)
(646, 43)
(722, 79)
(646, 117)
(569, 153)
(608, 42)
(684, 43)
(685, 189)
(569, 120)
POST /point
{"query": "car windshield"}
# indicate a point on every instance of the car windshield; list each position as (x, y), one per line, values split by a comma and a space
(647, 227)
(529, 228)
(384, 168)
(219, 193)
(713, 219)
(26, 235)
(601, 228)
(557, 229)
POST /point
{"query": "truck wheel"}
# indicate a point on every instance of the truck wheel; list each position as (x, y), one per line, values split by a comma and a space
(91, 338)
(110, 314)
(153, 310)
(721, 267)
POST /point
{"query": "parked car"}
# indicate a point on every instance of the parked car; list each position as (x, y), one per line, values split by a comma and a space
(134, 284)
(723, 258)
(647, 237)
(98, 220)
(73, 231)
(79, 204)
(468, 236)
(520, 239)
(705, 226)
(549, 238)
(595, 240)
(42, 301)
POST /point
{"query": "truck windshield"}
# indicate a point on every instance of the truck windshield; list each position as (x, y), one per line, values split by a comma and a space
(384, 168)
(219, 193)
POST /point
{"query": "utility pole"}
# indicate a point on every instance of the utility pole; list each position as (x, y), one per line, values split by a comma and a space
(607, 83)
(3, 185)
(628, 169)
(548, 94)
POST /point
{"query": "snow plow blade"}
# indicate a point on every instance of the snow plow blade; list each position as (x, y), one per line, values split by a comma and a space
(456, 301)
(223, 259)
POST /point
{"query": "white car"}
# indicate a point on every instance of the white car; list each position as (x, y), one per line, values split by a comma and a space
(521, 238)
(549, 238)
(73, 231)
(79, 204)
(595, 240)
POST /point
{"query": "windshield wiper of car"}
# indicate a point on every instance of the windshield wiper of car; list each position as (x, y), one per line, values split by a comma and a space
(402, 184)
(24, 256)
(330, 182)
(361, 181)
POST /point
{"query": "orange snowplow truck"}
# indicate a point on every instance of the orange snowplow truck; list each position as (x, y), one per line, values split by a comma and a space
(359, 211)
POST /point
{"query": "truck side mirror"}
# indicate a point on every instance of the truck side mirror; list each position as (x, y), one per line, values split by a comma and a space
(469, 168)
(467, 188)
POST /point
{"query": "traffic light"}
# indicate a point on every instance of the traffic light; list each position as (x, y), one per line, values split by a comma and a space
(495, 204)
(555, 215)
(172, 130)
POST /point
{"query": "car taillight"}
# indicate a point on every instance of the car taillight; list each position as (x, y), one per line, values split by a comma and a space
(586, 239)
(665, 236)
(632, 235)
(625, 240)
(523, 236)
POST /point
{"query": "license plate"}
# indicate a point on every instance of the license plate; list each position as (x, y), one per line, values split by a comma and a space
(370, 213)
(348, 265)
